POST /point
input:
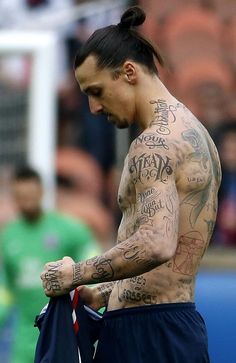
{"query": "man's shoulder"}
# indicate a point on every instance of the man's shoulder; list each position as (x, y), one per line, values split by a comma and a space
(150, 143)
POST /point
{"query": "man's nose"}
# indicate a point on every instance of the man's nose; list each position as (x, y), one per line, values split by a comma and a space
(95, 106)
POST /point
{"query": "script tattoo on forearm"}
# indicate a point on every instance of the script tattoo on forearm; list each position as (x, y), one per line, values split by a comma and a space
(105, 291)
(102, 266)
(137, 253)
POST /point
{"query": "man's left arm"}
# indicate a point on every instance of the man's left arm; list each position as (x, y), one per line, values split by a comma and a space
(156, 224)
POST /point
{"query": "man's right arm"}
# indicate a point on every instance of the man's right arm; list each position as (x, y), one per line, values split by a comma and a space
(98, 296)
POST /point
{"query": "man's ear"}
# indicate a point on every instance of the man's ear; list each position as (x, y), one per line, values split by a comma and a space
(130, 72)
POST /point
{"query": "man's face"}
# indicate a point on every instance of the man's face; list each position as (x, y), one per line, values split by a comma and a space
(27, 195)
(107, 94)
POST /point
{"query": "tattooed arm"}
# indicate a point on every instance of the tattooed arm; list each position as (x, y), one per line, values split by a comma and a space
(104, 292)
(153, 243)
(98, 296)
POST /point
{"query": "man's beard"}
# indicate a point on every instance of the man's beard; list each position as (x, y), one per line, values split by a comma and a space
(120, 124)
(32, 216)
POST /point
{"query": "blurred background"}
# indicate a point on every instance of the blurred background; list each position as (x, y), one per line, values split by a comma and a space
(45, 122)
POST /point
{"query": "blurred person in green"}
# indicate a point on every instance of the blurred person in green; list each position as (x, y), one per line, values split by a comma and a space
(27, 243)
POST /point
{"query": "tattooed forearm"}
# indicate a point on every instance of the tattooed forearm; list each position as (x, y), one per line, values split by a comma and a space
(105, 292)
(102, 268)
(136, 255)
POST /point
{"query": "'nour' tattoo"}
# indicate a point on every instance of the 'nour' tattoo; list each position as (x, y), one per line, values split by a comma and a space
(151, 140)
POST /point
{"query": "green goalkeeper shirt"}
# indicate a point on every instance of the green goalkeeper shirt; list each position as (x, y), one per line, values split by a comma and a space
(25, 248)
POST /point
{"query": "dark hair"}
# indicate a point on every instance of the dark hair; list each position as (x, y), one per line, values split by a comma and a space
(25, 173)
(114, 44)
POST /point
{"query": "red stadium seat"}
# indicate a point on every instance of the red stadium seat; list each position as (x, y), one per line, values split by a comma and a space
(204, 71)
(225, 8)
(229, 41)
(81, 169)
(192, 33)
(88, 209)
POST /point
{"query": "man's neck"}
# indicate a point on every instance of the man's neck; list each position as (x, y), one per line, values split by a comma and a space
(151, 90)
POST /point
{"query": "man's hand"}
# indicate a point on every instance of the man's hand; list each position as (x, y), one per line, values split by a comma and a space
(57, 277)
(90, 297)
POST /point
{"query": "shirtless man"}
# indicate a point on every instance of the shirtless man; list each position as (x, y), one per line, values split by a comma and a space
(168, 197)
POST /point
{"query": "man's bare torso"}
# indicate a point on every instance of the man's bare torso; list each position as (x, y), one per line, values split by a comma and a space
(197, 178)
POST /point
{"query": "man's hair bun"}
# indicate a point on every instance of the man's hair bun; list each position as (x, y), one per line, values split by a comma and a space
(134, 16)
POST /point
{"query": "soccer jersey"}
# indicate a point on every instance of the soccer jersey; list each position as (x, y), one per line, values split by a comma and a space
(25, 248)
(68, 331)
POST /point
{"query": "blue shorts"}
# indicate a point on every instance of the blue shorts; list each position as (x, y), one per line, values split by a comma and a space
(164, 333)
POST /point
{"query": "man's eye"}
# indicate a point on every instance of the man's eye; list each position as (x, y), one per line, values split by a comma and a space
(96, 92)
